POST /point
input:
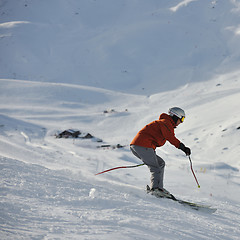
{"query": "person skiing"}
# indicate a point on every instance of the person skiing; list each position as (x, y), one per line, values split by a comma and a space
(154, 135)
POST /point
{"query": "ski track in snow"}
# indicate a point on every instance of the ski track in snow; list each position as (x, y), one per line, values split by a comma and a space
(41, 203)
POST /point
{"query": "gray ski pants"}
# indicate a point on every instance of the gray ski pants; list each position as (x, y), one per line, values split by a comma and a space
(153, 161)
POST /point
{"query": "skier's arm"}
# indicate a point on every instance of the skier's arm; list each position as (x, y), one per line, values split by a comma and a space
(170, 136)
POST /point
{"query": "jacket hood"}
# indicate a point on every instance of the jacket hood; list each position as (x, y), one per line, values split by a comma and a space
(167, 117)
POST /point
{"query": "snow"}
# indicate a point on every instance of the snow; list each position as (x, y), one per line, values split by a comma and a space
(108, 68)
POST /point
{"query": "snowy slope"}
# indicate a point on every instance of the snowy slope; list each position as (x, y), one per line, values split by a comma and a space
(48, 189)
(48, 186)
(139, 46)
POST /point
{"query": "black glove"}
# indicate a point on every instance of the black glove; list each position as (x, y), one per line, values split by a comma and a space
(185, 149)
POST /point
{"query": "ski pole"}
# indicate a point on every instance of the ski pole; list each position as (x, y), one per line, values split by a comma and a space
(120, 167)
(193, 172)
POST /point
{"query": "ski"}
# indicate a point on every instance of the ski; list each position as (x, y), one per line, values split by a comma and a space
(195, 206)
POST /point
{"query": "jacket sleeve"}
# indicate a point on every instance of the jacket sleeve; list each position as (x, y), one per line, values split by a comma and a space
(168, 134)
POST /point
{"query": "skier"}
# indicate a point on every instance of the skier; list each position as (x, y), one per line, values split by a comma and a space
(154, 135)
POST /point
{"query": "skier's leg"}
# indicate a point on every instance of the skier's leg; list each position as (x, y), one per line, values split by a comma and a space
(161, 164)
(154, 163)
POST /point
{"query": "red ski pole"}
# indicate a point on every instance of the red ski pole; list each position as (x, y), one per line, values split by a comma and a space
(120, 167)
(193, 172)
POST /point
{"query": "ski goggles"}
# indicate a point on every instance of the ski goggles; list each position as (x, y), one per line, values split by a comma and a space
(182, 119)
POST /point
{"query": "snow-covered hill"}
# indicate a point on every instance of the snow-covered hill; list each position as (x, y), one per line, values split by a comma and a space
(138, 46)
(108, 68)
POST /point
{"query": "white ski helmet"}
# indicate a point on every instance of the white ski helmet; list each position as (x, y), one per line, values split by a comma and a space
(178, 112)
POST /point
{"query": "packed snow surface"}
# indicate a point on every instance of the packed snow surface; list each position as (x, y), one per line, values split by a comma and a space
(108, 68)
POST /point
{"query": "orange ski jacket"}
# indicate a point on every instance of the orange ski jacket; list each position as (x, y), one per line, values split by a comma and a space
(156, 133)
